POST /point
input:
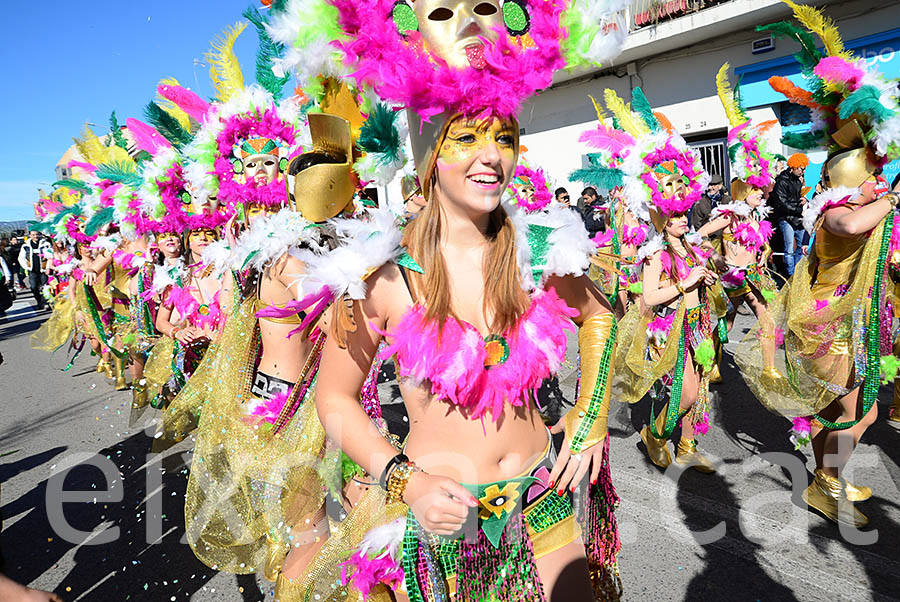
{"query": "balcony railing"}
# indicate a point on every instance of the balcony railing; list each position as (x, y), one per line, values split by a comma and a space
(645, 13)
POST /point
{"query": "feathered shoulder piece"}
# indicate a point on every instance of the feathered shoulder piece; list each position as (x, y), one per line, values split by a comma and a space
(738, 209)
(750, 161)
(365, 244)
(552, 242)
(270, 237)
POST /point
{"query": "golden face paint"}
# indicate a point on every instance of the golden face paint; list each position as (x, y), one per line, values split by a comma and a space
(255, 210)
(202, 234)
(467, 138)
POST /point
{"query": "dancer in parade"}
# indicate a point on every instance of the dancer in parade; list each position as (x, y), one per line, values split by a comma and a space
(830, 323)
(667, 338)
(744, 230)
(505, 328)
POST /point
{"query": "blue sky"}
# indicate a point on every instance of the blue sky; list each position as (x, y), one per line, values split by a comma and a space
(65, 63)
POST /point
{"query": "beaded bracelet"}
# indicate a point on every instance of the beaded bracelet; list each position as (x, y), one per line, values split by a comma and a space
(396, 485)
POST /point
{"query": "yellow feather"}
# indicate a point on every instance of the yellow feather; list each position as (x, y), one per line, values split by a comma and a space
(601, 114)
(816, 22)
(171, 108)
(90, 147)
(224, 68)
(628, 121)
(726, 95)
(95, 152)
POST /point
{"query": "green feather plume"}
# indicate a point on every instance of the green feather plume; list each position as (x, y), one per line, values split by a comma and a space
(73, 184)
(167, 125)
(116, 136)
(768, 295)
(867, 100)
(889, 366)
(598, 176)
(349, 469)
(45, 227)
(266, 53)
(74, 210)
(119, 172)
(636, 288)
(641, 106)
(378, 134)
(803, 140)
(732, 151)
(705, 354)
(809, 55)
(99, 219)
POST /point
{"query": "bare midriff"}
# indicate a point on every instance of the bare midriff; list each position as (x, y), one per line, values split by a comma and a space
(282, 357)
(443, 441)
(736, 254)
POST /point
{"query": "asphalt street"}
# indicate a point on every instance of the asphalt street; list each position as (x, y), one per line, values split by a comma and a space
(740, 534)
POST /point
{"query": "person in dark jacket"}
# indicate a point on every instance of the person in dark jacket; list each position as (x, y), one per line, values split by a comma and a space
(594, 213)
(787, 203)
(714, 196)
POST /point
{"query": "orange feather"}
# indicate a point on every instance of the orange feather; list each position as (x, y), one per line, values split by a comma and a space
(794, 93)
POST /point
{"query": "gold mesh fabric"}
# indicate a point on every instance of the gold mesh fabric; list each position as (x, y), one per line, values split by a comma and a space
(54, 333)
(633, 374)
(814, 335)
(246, 482)
(321, 581)
(158, 367)
(84, 323)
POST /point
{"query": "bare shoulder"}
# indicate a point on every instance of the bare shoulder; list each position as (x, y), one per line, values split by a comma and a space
(387, 295)
(287, 266)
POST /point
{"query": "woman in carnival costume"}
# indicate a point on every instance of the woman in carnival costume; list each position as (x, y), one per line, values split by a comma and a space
(831, 322)
(667, 337)
(745, 231)
(58, 328)
(462, 72)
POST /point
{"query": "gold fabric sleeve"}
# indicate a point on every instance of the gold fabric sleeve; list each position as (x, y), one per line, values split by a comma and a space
(634, 372)
(817, 338)
(54, 333)
(586, 422)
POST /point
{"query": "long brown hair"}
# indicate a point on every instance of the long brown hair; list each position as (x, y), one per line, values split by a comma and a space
(673, 256)
(503, 294)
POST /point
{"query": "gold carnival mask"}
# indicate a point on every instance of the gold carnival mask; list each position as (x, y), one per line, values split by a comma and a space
(672, 184)
(451, 28)
(259, 161)
(323, 190)
(166, 236)
(740, 190)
